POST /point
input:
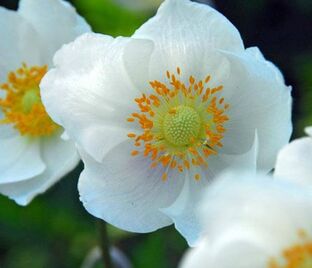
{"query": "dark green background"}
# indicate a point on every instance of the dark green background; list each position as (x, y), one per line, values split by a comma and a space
(56, 231)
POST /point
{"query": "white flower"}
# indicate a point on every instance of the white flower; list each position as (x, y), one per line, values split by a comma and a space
(294, 161)
(159, 114)
(254, 222)
(33, 156)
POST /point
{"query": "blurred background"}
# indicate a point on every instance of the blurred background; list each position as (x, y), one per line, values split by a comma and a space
(56, 231)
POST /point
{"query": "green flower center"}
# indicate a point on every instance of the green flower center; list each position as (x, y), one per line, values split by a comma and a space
(30, 98)
(22, 106)
(181, 125)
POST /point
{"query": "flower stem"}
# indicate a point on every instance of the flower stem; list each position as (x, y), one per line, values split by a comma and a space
(104, 244)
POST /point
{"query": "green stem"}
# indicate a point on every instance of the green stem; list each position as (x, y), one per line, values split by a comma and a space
(104, 244)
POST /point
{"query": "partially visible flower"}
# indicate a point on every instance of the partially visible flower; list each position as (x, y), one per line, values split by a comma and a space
(33, 155)
(294, 161)
(254, 222)
(158, 115)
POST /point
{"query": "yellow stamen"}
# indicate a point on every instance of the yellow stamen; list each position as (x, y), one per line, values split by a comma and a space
(133, 153)
(296, 256)
(197, 177)
(22, 106)
(131, 135)
(178, 71)
(182, 124)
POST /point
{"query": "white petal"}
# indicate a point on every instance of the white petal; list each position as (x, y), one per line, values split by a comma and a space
(181, 23)
(259, 100)
(257, 54)
(59, 156)
(199, 257)
(56, 22)
(65, 136)
(183, 32)
(235, 251)
(136, 60)
(19, 159)
(19, 43)
(236, 248)
(244, 161)
(308, 130)
(273, 209)
(124, 190)
(7, 131)
(249, 220)
(294, 162)
(92, 95)
(183, 210)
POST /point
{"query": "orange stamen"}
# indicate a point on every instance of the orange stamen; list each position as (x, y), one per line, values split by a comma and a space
(166, 100)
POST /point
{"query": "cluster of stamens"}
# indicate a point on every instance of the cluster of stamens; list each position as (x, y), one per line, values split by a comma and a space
(296, 256)
(22, 106)
(182, 125)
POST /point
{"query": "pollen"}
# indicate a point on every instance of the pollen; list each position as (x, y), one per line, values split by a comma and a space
(182, 123)
(295, 256)
(181, 126)
(22, 106)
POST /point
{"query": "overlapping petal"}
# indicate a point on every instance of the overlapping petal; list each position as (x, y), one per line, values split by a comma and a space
(59, 156)
(55, 21)
(20, 43)
(20, 159)
(182, 31)
(308, 130)
(228, 252)
(258, 200)
(249, 220)
(97, 92)
(126, 192)
(258, 100)
(294, 162)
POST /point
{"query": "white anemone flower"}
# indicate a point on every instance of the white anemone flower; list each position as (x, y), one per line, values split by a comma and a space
(294, 161)
(33, 156)
(157, 115)
(254, 222)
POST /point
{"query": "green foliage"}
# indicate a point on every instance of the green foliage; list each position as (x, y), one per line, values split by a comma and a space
(107, 17)
(161, 249)
(150, 251)
(304, 102)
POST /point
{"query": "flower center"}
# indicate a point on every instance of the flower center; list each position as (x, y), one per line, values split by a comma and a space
(29, 99)
(296, 256)
(22, 106)
(182, 123)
